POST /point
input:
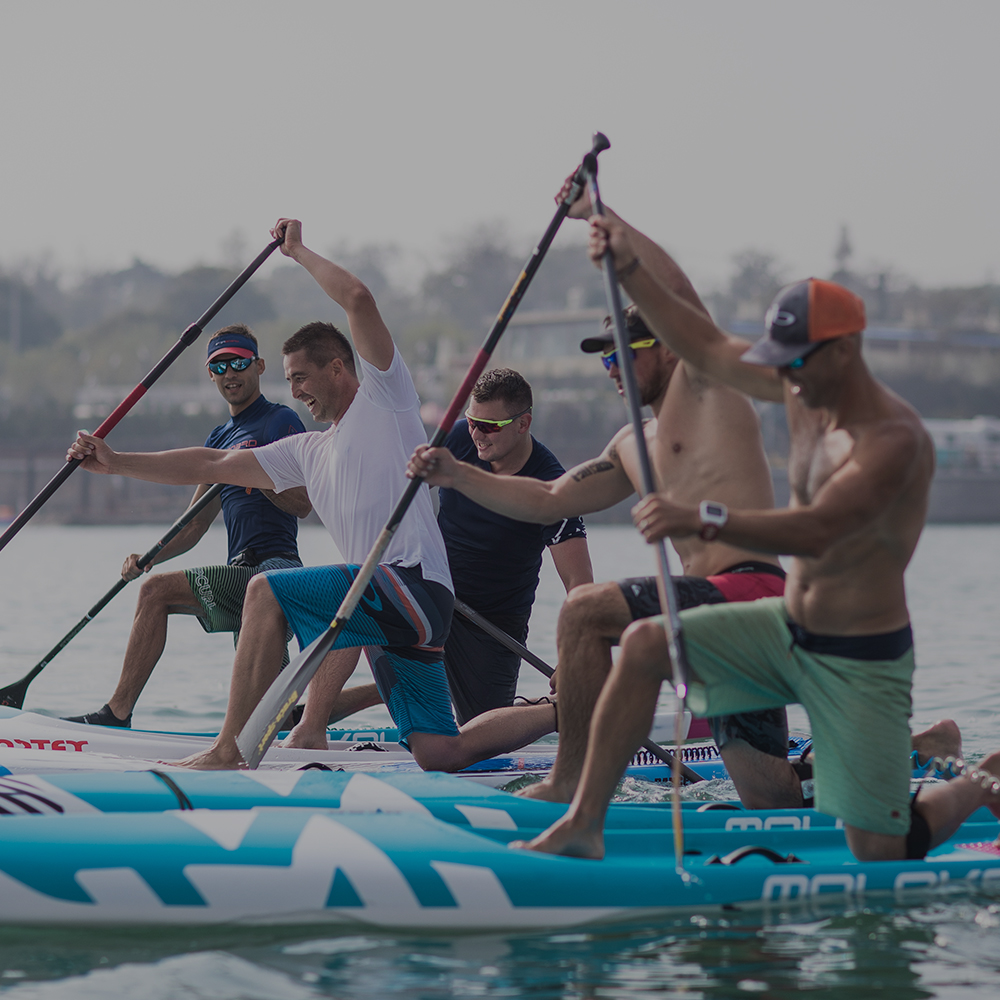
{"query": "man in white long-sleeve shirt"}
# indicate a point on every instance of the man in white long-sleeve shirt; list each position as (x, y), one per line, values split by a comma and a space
(354, 473)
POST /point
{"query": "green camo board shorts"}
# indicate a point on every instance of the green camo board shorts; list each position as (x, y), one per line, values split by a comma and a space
(220, 591)
(742, 659)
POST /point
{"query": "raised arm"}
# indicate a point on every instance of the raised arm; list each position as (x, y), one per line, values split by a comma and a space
(659, 263)
(181, 467)
(592, 486)
(370, 335)
(682, 323)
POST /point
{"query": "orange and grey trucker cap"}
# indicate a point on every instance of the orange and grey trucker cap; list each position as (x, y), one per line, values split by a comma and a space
(801, 317)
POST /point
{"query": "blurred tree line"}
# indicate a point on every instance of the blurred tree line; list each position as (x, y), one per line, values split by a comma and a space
(110, 328)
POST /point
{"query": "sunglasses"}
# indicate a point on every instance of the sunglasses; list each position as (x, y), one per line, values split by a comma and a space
(610, 357)
(796, 363)
(236, 364)
(492, 426)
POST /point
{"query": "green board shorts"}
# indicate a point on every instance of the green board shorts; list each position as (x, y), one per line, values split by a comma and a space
(220, 591)
(743, 658)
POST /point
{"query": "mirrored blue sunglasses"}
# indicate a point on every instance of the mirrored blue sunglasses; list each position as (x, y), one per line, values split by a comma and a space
(236, 364)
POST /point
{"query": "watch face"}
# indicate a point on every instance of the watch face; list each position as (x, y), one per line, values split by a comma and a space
(714, 510)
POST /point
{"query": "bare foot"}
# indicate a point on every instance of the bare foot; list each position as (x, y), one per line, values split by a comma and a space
(302, 737)
(546, 791)
(943, 739)
(991, 764)
(218, 757)
(566, 839)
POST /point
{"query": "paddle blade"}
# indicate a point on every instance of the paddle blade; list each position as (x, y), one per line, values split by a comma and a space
(281, 697)
(12, 696)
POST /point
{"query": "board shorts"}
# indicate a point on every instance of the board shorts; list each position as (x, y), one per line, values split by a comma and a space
(401, 621)
(767, 730)
(493, 681)
(749, 657)
(220, 591)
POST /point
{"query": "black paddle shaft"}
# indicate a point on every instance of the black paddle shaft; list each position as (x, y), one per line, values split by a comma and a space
(289, 686)
(668, 596)
(13, 694)
(540, 665)
(188, 337)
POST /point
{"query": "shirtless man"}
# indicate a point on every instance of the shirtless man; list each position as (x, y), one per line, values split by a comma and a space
(354, 473)
(705, 442)
(839, 642)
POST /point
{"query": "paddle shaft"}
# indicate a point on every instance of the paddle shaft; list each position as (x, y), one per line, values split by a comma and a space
(539, 664)
(13, 694)
(188, 337)
(289, 686)
(664, 583)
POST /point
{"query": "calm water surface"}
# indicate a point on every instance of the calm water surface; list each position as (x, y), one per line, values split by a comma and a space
(933, 946)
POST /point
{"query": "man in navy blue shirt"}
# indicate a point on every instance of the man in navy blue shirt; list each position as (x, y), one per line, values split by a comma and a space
(494, 559)
(262, 528)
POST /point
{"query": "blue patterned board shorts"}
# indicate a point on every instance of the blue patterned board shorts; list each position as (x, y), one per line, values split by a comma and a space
(220, 590)
(401, 621)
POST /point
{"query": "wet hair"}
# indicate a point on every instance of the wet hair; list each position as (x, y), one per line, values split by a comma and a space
(505, 384)
(634, 323)
(321, 342)
(241, 328)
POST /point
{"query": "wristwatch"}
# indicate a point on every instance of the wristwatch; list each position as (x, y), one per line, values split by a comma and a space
(713, 519)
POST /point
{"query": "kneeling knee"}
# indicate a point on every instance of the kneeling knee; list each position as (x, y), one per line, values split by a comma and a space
(644, 643)
(590, 608)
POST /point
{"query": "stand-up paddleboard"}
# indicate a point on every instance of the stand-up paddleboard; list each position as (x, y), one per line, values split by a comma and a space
(31, 731)
(445, 796)
(37, 744)
(411, 870)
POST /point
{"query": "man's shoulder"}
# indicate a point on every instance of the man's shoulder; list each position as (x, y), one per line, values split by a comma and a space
(542, 463)
(280, 421)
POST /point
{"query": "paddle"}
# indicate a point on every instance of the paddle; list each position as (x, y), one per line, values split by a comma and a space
(188, 337)
(539, 664)
(13, 694)
(288, 687)
(664, 583)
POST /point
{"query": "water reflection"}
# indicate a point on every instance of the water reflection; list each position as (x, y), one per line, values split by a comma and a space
(930, 947)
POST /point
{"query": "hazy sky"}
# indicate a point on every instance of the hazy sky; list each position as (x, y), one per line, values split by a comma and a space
(160, 129)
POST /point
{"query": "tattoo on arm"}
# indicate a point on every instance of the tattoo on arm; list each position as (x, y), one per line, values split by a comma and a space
(592, 469)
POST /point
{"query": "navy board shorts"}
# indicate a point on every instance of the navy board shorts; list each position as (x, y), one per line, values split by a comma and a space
(402, 621)
(765, 730)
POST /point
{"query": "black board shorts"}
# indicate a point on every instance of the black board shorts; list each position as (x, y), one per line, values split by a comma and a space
(766, 730)
(482, 673)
